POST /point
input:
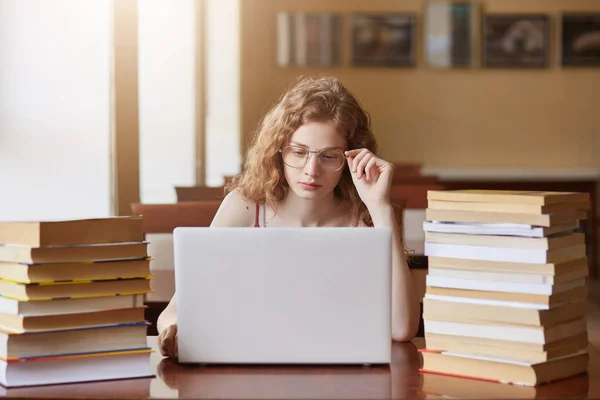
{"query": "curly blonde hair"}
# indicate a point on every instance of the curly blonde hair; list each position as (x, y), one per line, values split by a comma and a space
(310, 100)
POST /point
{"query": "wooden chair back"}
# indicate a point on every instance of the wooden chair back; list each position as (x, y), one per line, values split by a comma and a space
(164, 218)
(415, 195)
(199, 193)
(407, 169)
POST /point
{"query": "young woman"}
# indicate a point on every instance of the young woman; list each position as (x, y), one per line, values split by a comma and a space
(312, 163)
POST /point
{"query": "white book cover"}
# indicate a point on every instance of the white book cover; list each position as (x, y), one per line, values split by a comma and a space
(482, 228)
(492, 276)
(509, 287)
(503, 254)
(487, 302)
(49, 371)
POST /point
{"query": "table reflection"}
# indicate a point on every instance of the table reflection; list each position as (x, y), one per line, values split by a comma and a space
(401, 379)
(398, 380)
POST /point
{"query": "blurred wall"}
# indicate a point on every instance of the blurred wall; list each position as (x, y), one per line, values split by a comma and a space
(222, 89)
(443, 118)
(167, 95)
(55, 109)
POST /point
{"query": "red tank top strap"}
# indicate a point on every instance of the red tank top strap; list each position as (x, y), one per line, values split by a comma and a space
(256, 223)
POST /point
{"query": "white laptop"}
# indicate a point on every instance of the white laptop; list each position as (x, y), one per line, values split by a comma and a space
(283, 295)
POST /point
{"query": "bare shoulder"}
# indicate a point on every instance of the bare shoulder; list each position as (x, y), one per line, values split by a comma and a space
(235, 210)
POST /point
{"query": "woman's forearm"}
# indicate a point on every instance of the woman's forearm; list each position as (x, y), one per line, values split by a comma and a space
(405, 305)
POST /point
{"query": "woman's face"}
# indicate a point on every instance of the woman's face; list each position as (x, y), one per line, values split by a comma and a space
(324, 146)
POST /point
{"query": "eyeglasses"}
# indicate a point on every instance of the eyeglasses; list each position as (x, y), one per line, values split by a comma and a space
(297, 157)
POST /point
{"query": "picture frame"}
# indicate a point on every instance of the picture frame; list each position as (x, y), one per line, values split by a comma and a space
(516, 41)
(450, 30)
(580, 40)
(309, 39)
(384, 39)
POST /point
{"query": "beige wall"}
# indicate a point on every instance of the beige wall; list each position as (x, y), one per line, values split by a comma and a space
(450, 118)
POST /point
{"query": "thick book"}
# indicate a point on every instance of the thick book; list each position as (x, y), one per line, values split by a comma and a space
(515, 277)
(118, 389)
(44, 323)
(506, 207)
(504, 314)
(69, 306)
(546, 300)
(546, 220)
(488, 302)
(511, 287)
(540, 198)
(77, 368)
(504, 370)
(465, 327)
(73, 271)
(69, 232)
(119, 337)
(553, 269)
(545, 243)
(504, 229)
(62, 254)
(500, 348)
(56, 290)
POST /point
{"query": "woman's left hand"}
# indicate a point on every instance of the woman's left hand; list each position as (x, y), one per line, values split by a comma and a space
(371, 175)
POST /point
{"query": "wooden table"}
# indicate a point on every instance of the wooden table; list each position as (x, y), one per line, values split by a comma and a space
(401, 379)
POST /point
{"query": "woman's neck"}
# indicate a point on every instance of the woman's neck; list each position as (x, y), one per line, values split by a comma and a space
(297, 211)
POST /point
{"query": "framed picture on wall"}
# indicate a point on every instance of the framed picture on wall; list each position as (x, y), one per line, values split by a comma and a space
(516, 41)
(384, 40)
(309, 39)
(449, 33)
(580, 40)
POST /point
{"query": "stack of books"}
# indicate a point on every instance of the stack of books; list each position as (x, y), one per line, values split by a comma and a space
(71, 301)
(506, 285)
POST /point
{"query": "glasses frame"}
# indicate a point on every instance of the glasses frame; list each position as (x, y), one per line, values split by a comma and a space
(309, 155)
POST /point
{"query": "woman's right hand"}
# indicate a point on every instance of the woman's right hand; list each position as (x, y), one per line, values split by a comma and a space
(167, 342)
